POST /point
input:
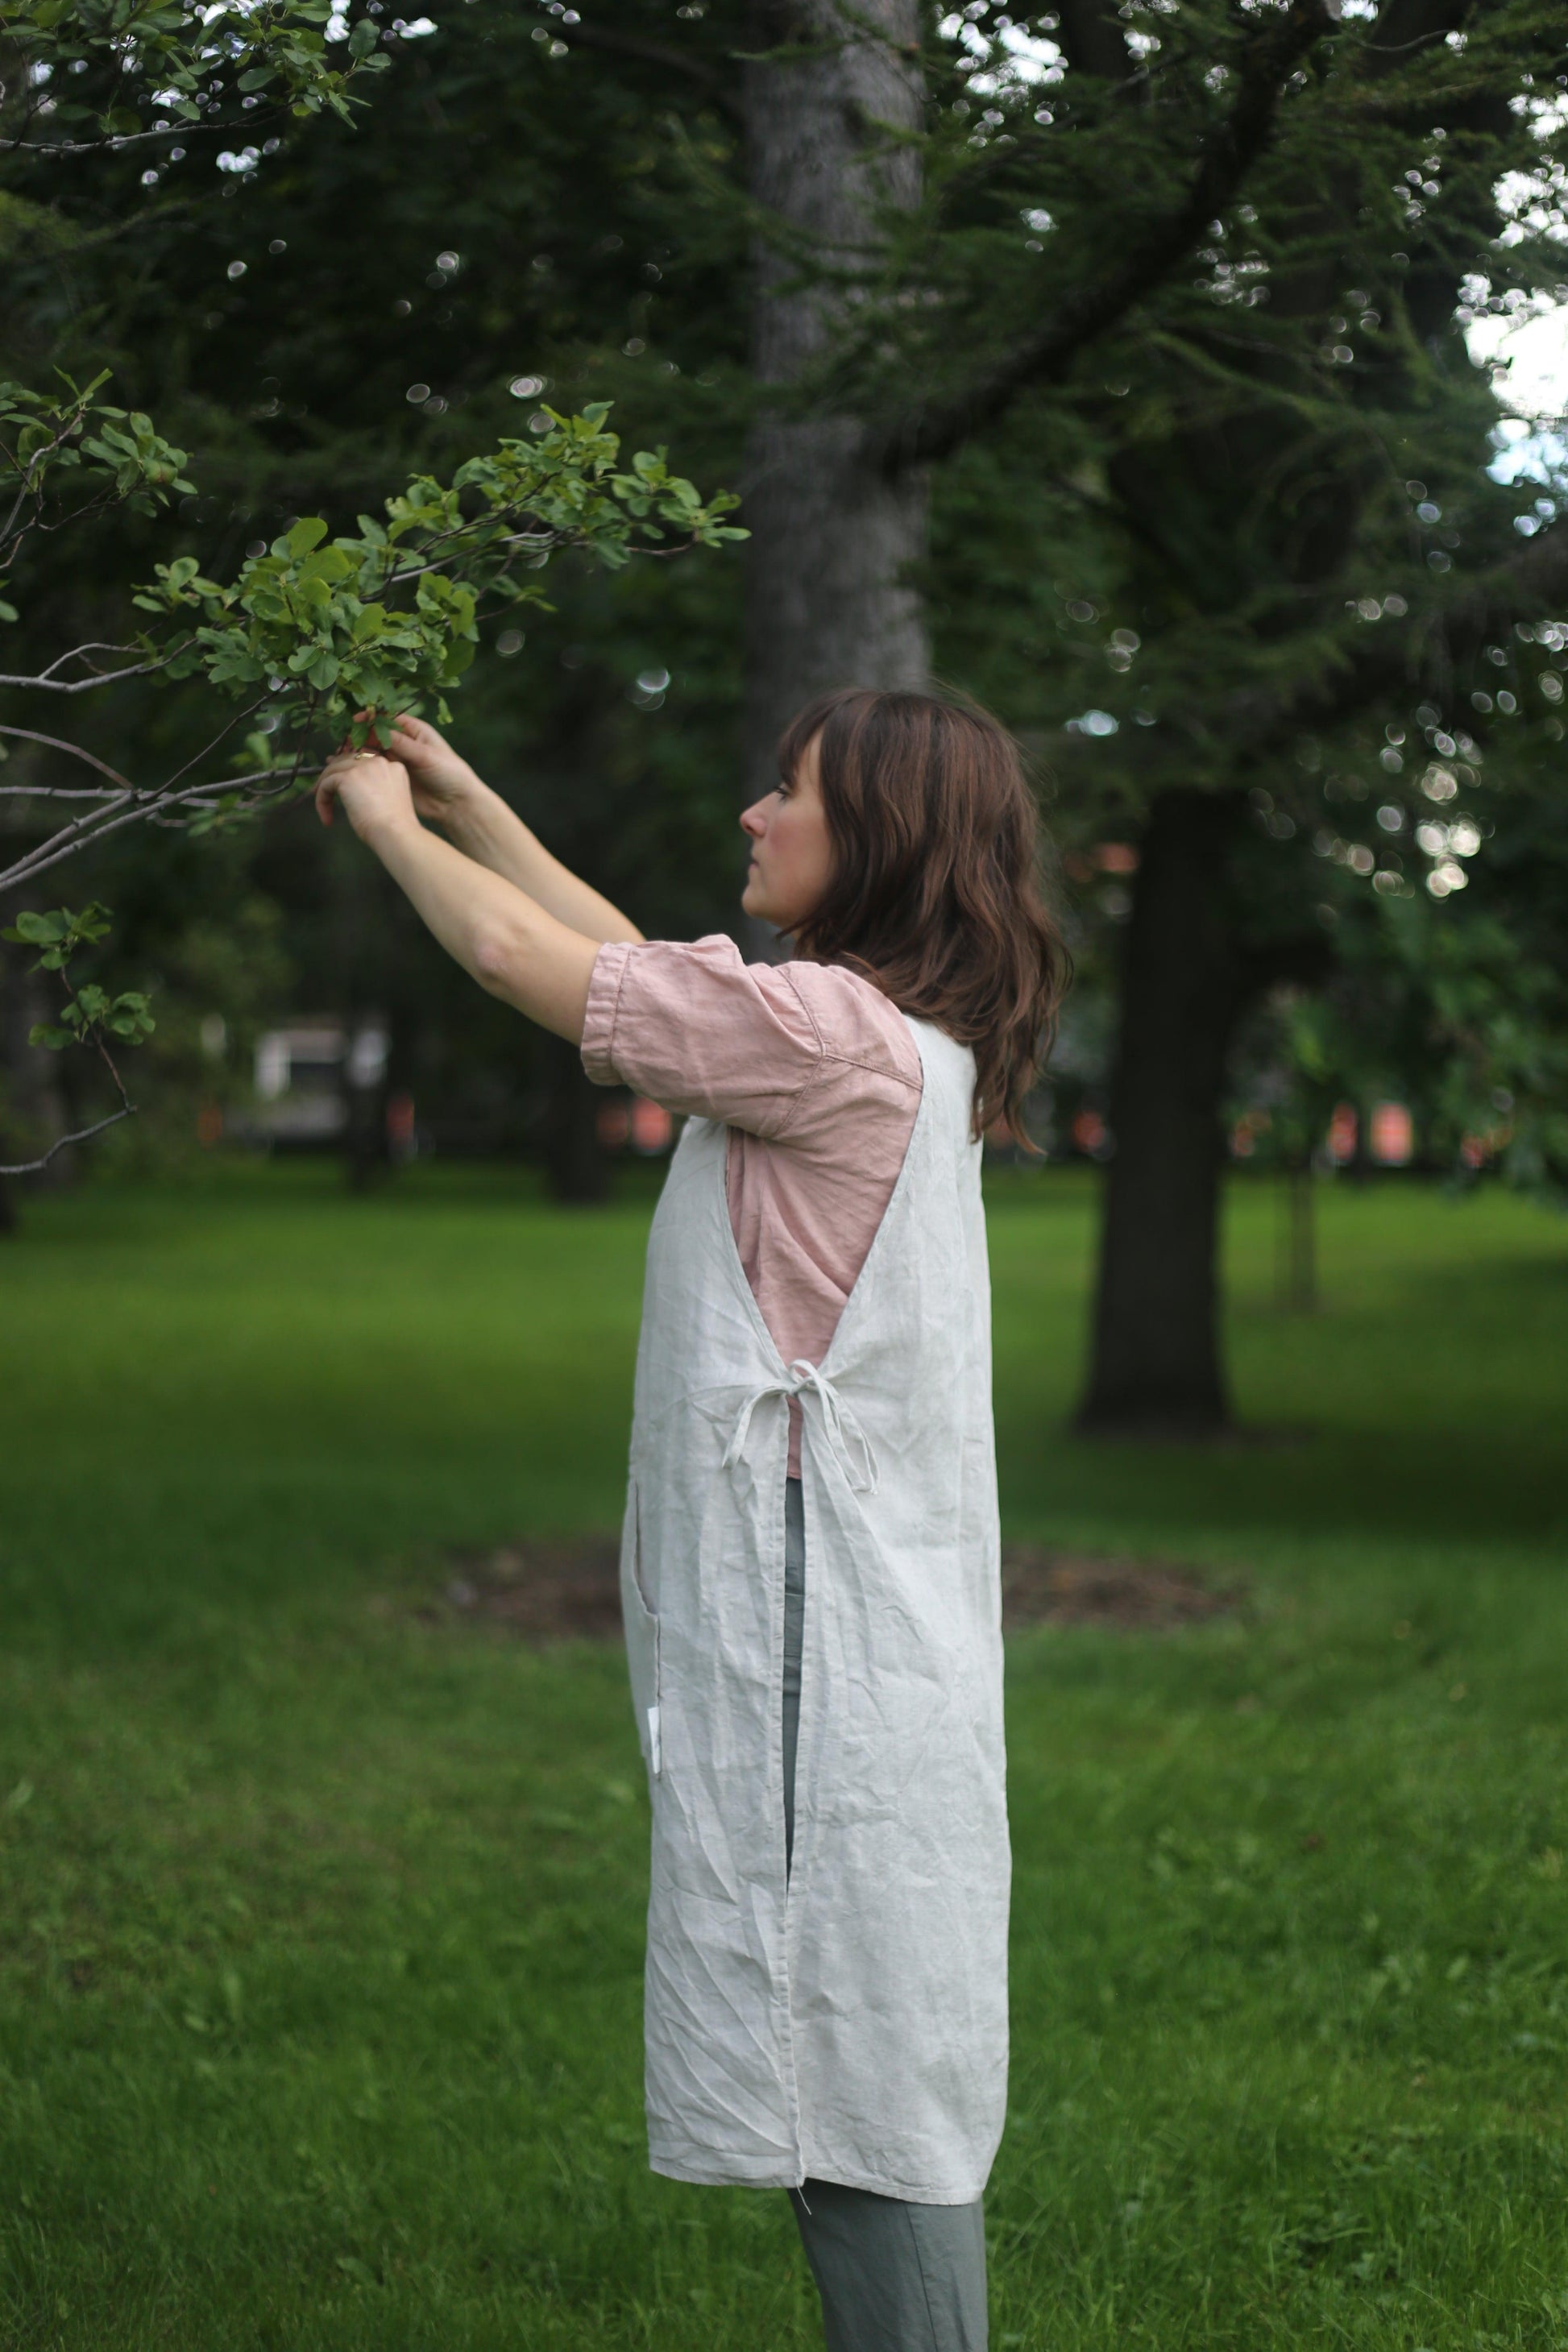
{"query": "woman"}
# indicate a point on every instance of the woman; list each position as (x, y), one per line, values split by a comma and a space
(809, 1564)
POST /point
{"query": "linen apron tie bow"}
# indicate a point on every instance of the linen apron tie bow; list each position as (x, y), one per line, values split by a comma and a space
(849, 1441)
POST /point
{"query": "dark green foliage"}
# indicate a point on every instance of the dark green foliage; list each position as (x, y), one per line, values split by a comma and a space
(1223, 480)
(1255, 524)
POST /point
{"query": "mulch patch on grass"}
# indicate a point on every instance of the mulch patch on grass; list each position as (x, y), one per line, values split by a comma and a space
(565, 1589)
(1041, 1586)
(546, 1588)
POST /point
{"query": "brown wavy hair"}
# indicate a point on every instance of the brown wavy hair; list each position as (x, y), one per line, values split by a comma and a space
(935, 895)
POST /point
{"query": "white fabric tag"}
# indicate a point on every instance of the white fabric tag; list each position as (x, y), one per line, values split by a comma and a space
(654, 1753)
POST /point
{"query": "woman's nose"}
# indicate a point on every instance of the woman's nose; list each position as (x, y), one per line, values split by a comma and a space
(752, 820)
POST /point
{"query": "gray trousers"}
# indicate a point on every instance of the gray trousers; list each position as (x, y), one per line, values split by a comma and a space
(893, 2277)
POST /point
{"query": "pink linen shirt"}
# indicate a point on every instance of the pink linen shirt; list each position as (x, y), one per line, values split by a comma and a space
(817, 1078)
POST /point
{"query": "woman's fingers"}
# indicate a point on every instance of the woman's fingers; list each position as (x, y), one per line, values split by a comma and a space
(326, 791)
(372, 790)
(417, 737)
(338, 769)
(406, 736)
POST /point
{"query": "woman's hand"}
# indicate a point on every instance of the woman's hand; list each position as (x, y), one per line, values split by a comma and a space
(442, 784)
(375, 793)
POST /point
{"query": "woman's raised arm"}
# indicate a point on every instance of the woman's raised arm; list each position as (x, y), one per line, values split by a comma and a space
(511, 942)
(484, 828)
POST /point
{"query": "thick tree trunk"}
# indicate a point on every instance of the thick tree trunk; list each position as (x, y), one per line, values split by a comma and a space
(1156, 1367)
(829, 599)
(575, 1166)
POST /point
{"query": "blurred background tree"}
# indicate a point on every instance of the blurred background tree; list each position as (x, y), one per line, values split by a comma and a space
(1113, 365)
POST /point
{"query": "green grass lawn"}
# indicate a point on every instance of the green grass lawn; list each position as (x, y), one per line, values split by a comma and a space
(321, 1923)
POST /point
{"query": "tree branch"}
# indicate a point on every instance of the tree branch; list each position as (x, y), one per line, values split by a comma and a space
(1378, 665)
(86, 684)
(1267, 61)
(82, 1135)
(111, 144)
(1382, 662)
(652, 53)
(87, 831)
(74, 751)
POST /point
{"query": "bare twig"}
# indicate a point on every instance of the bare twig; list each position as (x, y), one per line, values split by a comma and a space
(89, 759)
(213, 741)
(82, 1135)
(70, 838)
(88, 831)
(113, 145)
(52, 685)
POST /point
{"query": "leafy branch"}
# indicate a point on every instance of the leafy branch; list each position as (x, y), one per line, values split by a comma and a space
(158, 69)
(315, 639)
(375, 622)
(89, 1015)
(52, 445)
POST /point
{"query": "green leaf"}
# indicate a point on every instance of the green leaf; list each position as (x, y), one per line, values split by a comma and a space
(92, 923)
(43, 1034)
(38, 930)
(306, 533)
(131, 1017)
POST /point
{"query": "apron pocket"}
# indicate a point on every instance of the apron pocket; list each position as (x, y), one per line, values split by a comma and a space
(642, 1641)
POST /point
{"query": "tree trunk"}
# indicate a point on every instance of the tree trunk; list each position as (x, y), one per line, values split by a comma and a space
(365, 1160)
(32, 1102)
(1296, 1260)
(575, 1166)
(367, 1157)
(828, 598)
(1156, 1367)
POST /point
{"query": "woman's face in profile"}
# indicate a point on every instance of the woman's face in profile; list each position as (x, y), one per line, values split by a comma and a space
(792, 855)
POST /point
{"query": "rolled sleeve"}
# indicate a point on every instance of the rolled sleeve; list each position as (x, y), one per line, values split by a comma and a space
(695, 1027)
(605, 982)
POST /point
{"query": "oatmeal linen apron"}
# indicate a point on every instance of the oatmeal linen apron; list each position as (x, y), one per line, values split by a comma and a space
(850, 2025)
